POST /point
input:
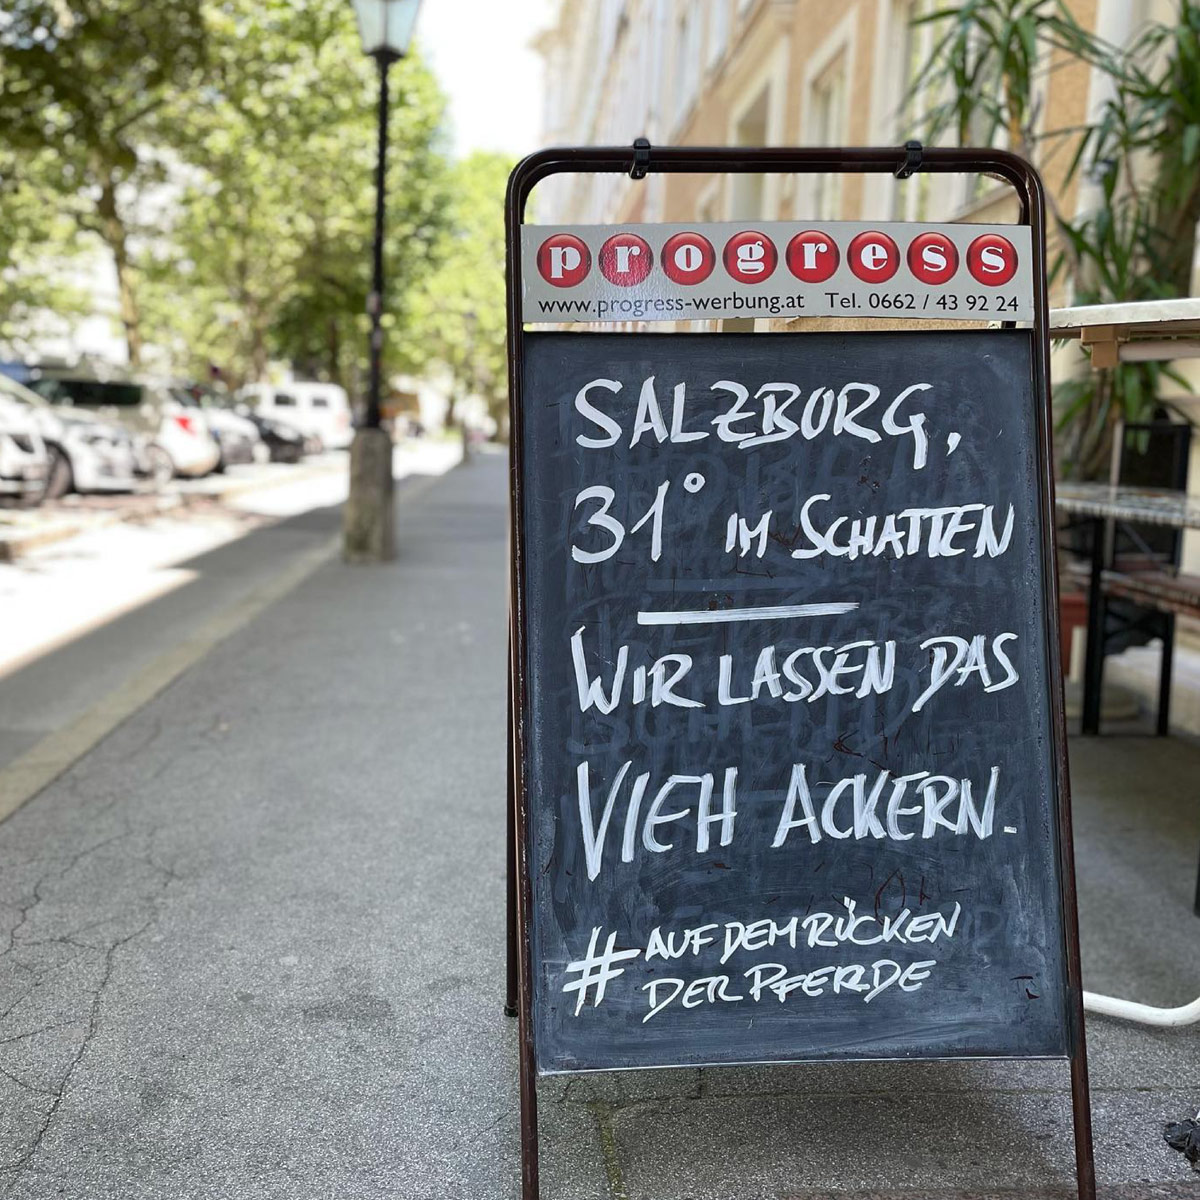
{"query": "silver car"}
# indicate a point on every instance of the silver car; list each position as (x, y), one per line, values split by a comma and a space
(85, 454)
(237, 438)
(24, 463)
(172, 439)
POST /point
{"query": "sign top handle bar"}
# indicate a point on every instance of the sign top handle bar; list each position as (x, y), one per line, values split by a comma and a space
(901, 161)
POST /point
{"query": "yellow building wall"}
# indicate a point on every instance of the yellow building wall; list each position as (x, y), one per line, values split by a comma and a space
(778, 44)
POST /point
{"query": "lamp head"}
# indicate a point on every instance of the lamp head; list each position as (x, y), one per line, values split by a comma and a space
(386, 26)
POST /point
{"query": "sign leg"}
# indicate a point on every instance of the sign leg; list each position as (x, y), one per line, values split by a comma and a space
(530, 1188)
(510, 873)
(1196, 902)
(510, 888)
(520, 974)
(1081, 1107)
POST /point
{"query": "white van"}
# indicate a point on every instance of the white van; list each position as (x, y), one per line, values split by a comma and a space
(318, 410)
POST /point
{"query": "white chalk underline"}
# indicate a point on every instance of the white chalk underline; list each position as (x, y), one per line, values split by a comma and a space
(714, 616)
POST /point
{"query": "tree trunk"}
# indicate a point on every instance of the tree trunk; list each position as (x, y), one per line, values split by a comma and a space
(458, 414)
(116, 237)
(333, 348)
(258, 343)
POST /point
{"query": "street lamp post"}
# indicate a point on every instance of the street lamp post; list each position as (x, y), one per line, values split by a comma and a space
(471, 321)
(369, 530)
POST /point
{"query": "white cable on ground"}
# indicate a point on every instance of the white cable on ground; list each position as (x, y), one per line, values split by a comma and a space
(1143, 1014)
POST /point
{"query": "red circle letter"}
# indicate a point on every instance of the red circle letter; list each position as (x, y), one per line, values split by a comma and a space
(812, 256)
(992, 259)
(688, 258)
(625, 259)
(932, 258)
(873, 257)
(564, 260)
(750, 257)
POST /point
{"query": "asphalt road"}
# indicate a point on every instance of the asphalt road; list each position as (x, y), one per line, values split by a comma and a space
(251, 945)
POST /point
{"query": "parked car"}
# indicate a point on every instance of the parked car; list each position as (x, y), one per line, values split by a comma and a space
(85, 454)
(320, 410)
(172, 438)
(238, 439)
(284, 442)
(24, 463)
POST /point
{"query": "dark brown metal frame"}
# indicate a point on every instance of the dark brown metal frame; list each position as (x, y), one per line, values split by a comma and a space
(901, 161)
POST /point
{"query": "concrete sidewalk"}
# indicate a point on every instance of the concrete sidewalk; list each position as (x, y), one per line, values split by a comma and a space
(252, 945)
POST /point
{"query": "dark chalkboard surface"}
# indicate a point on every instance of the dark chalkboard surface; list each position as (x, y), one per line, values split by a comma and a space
(789, 764)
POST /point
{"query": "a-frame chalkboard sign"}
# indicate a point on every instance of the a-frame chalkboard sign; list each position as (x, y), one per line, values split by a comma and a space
(787, 747)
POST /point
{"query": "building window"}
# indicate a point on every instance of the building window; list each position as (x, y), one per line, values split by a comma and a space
(687, 61)
(827, 127)
(748, 192)
(915, 199)
(911, 196)
(718, 31)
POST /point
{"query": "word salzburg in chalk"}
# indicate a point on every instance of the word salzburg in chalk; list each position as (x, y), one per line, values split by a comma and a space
(760, 421)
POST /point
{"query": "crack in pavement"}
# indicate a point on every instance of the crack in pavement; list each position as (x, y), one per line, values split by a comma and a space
(167, 875)
(28, 1033)
(27, 1087)
(36, 899)
(19, 1165)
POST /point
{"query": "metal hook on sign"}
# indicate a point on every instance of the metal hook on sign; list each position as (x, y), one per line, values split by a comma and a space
(914, 156)
(641, 158)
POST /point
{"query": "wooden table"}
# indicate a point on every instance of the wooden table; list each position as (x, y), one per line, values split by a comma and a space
(1101, 503)
(1141, 506)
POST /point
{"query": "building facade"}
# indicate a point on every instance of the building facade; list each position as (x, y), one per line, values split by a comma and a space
(781, 72)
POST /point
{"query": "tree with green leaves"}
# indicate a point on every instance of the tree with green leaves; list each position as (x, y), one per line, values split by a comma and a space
(1144, 151)
(458, 312)
(985, 62)
(271, 235)
(34, 238)
(1138, 241)
(83, 88)
(223, 154)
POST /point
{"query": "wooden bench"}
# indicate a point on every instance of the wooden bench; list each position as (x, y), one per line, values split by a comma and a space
(1158, 588)
(1136, 541)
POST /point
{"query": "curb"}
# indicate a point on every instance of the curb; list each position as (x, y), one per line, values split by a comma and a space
(17, 542)
(14, 543)
(240, 487)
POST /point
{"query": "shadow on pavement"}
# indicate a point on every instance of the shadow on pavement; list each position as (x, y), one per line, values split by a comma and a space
(52, 689)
